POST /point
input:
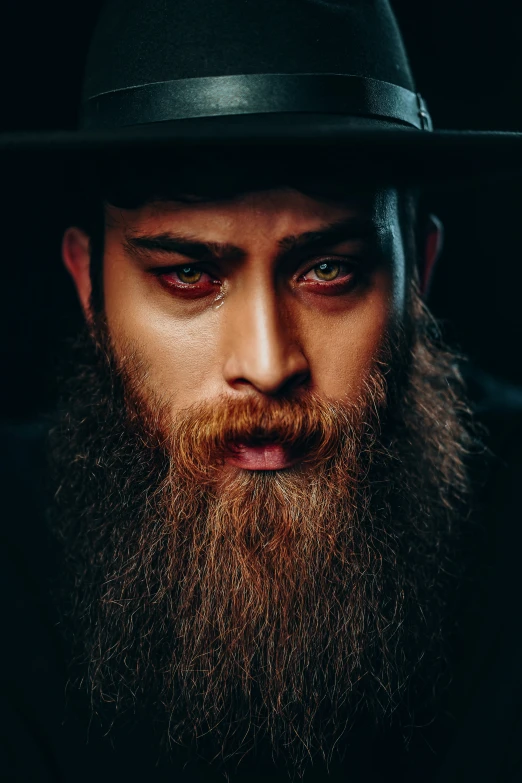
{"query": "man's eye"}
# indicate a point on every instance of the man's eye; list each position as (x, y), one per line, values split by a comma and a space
(188, 274)
(187, 280)
(329, 271)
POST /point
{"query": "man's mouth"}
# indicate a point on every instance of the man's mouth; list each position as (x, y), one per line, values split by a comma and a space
(264, 456)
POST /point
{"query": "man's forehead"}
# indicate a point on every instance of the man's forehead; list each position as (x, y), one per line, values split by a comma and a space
(278, 213)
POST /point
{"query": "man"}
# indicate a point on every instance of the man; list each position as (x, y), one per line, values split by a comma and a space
(264, 470)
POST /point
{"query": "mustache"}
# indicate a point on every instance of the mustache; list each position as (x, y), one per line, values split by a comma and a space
(304, 423)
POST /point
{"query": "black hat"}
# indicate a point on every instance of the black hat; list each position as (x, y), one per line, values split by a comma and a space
(284, 80)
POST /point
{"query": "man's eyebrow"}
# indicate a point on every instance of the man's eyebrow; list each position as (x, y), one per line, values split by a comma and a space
(352, 228)
(181, 244)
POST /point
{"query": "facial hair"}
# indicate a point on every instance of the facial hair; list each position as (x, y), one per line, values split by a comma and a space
(242, 608)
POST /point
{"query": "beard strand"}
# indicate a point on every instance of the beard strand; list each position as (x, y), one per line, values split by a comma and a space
(281, 608)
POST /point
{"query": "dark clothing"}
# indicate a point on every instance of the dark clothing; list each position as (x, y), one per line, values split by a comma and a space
(48, 734)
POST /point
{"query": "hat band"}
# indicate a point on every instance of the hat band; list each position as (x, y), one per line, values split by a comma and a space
(212, 96)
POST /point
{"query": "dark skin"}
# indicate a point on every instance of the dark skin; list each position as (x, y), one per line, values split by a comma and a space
(263, 312)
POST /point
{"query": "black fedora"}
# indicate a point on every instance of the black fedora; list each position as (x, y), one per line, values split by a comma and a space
(277, 80)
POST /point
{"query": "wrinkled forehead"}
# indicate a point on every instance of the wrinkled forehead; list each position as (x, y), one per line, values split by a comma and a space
(262, 208)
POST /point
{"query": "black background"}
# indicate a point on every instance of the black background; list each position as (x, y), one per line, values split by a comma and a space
(467, 61)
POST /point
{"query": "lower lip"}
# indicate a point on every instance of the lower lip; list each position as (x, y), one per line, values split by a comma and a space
(269, 457)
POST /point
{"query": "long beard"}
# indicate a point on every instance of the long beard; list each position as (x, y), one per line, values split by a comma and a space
(246, 608)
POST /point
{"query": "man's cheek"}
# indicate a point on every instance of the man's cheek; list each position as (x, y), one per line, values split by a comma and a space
(177, 374)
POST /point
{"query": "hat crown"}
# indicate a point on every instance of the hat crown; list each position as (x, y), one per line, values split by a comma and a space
(139, 42)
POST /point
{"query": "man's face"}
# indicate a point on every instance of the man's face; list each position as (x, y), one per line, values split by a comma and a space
(253, 296)
(276, 332)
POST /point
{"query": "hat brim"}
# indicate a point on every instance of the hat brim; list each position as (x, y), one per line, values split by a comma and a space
(362, 147)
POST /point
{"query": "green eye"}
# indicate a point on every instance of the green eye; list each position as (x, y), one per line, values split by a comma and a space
(188, 274)
(327, 271)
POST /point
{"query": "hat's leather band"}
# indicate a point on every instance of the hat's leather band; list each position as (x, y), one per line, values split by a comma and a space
(212, 96)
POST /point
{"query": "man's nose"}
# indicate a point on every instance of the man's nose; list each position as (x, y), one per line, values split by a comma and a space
(261, 346)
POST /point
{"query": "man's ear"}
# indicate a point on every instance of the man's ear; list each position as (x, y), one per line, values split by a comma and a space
(76, 255)
(433, 243)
